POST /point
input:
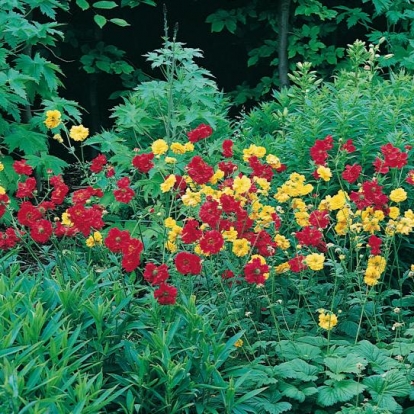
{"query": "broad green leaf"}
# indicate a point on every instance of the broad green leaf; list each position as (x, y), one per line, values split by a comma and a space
(83, 4)
(341, 391)
(277, 408)
(298, 369)
(99, 20)
(25, 140)
(104, 5)
(119, 22)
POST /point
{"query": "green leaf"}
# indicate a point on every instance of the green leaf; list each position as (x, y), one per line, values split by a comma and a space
(99, 20)
(104, 5)
(277, 408)
(298, 369)
(83, 4)
(25, 140)
(341, 391)
(119, 22)
(47, 162)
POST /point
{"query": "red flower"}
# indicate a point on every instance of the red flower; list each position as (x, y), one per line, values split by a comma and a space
(227, 167)
(374, 243)
(131, 251)
(166, 294)
(8, 239)
(130, 262)
(297, 264)
(260, 170)
(394, 157)
(410, 177)
(59, 193)
(124, 195)
(264, 244)
(143, 162)
(227, 274)
(26, 189)
(41, 231)
(199, 171)
(351, 173)
(98, 163)
(319, 151)
(4, 200)
(210, 213)
(227, 148)
(309, 236)
(254, 271)
(380, 166)
(211, 242)
(83, 195)
(124, 182)
(191, 231)
(110, 172)
(201, 132)
(28, 214)
(349, 146)
(319, 219)
(22, 168)
(229, 204)
(64, 231)
(180, 185)
(116, 239)
(156, 275)
(45, 206)
(188, 263)
(86, 219)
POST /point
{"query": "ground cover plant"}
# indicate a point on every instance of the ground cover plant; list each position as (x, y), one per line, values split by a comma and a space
(202, 265)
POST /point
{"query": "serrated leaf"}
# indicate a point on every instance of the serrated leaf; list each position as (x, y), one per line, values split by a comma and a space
(47, 162)
(298, 369)
(377, 358)
(351, 363)
(105, 5)
(341, 391)
(119, 22)
(99, 20)
(25, 140)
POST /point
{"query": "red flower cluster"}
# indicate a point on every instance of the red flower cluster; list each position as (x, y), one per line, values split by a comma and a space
(227, 146)
(8, 239)
(260, 170)
(120, 241)
(60, 189)
(374, 244)
(143, 162)
(393, 158)
(211, 242)
(319, 219)
(349, 146)
(254, 271)
(26, 189)
(319, 151)
(22, 168)
(297, 264)
(98, 163)
(188, 263)
(124, 193)
(203, 131)
(310, 236)
(158, 275)
(199, 171)
(351, 173)
(191, 231)
(4, 200)
(370, 195)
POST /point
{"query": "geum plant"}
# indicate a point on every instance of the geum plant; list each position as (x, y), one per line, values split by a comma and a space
(277, 254)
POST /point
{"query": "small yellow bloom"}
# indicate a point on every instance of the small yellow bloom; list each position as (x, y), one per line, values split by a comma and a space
(230, 235)
(177, 148)
(66, 220)
(2, 190)
(282, 268)
(217, 176)
(190, 198)
(241, 247)
(53, 119)
(273, 161)
(315, 261)
(171, 246)
(327, 320)
(170, 160)
(282, 242)
(394, 212)
(241, 184)
(168, 184)
(79, 133)
(169, 222)
(338, 201)
(324, 172)
(238, 343)
(58, 138)
(94, 239)
(1, 166)
(159, 147)
(398, 195)
(189, 147)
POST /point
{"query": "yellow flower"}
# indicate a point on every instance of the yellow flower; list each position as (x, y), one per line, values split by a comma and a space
(159, 147)
(191, 199)
(230, 235)
(238, 343)
(58, 138)
(378, 262)
(171, 246)
(298, 204)
(218, 175)
(259, 152)
(327, 320)
(79, 133)
(66, 220)
(241, 247)
(2, 190)
(282, 268)
(398, 195)
(302, 218)
(338, 201)
(94, 239)
(394, 212)
(1, 166)
(177, 148)
(282, 242)
(170, 160)
(241, 184)
(169, 222)
(315, 261)
(189, 146)
(52, 119)
(263, 184)
(273, 161)
(168, 184)
(370, 281)
(324, 172)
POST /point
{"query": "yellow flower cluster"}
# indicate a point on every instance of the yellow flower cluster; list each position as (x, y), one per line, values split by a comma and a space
(241, 247)
(168, 183)
(174, 232)
(315, 261)
(253, 150)
(294, 187)
(79, 133)
(375, 267)
(53, 119)
(327, 320)
(94, 239)
(178, 148)
(159, 147)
